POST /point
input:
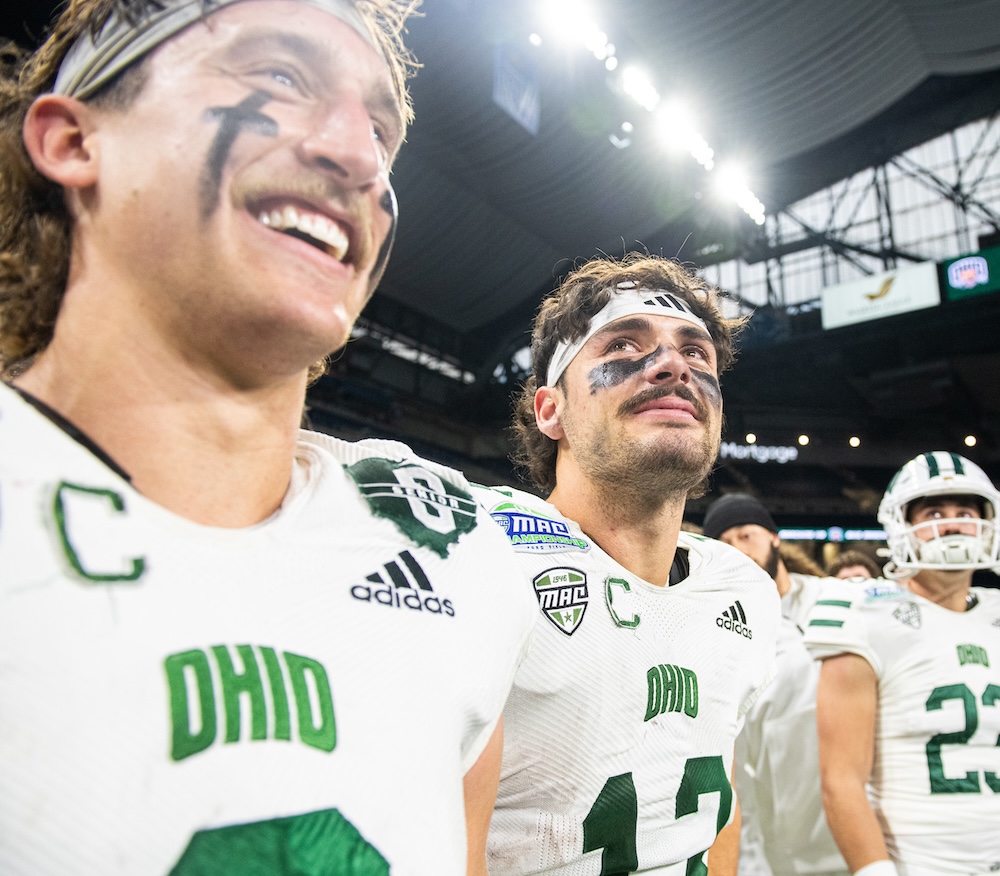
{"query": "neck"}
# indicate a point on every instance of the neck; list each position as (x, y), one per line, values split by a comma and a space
(782, 579)
(641, 538)
(948, 589)
(201, 447)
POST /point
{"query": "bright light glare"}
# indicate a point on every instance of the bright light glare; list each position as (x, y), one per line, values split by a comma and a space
(970, 440)
(679, 130)
(731, 184)
(751, 438)
(854, 441)
(803, 440)
(730, 181)
(640, 88)
(569, 19)
(572, 22)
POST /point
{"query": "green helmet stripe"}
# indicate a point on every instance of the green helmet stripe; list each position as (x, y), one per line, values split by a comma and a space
(932, 465)
(956, 461)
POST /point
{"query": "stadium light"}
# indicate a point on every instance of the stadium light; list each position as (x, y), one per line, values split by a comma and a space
(572, 21)
(678, 128)
(731, 184)
(637, 85)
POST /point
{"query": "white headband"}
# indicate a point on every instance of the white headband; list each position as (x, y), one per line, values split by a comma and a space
(90, 63)
(626, 301)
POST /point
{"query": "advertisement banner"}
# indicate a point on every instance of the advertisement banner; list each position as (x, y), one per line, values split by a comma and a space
(880, 295)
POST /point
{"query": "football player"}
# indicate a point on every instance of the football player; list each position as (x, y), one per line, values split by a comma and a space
(909, 691)
(784, 830)
(654, 642)
(226, 646)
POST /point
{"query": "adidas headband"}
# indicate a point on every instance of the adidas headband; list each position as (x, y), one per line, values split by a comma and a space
(91, 63)
(627, 300)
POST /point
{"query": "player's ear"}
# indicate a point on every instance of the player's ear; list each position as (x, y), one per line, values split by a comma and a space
(58, 134)
(547, 409)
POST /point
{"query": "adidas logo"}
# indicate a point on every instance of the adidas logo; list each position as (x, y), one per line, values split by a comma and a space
(735, 619)
(402, 583)
(665, 299)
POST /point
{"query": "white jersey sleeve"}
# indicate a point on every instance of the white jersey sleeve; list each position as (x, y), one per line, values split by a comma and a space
(620, 730)
(936, 776)
(304, 695)
(779, 778)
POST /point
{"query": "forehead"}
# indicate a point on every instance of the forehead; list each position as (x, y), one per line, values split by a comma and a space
(317, 37)
(653, 326)
(964, 502)
(747, 530)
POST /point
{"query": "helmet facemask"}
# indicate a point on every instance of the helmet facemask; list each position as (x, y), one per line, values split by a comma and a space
(947, 549)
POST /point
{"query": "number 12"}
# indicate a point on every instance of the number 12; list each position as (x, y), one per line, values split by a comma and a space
(611, 823)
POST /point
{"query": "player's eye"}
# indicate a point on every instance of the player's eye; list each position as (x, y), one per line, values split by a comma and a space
(620, 345)
(282, 75)
(382, 141)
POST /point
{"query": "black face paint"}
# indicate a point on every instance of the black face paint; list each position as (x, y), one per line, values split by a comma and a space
(709, 386)
(388, 203)
(232, 120)
(619, 370)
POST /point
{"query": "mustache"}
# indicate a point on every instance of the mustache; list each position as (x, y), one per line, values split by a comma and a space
(631, 405)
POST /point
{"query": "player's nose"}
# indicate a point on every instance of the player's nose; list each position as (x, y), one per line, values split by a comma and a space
(669, 365)
(341, 141)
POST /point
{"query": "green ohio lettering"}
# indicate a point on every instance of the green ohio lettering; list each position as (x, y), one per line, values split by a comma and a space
(671, 689)
(208, 689)
(972, 654)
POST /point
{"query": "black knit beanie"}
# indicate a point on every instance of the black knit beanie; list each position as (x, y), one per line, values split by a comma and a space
(736, 509)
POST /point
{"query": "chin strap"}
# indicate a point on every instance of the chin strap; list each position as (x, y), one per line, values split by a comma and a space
(892, 570)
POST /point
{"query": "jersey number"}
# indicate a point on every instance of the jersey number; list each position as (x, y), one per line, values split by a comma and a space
(320, 843)
(611, 823)
(969, 783)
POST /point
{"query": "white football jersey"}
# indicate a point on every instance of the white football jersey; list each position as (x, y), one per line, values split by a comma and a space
(777, 772)
(619, 732)
(302, 696)
(936, 776)
(803, 591)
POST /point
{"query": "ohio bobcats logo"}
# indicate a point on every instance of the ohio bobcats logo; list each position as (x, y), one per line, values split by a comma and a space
(562, 595)
(425, 508)
(908, 613)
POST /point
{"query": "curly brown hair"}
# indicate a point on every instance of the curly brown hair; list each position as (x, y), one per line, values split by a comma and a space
(853, 558)
(565, 315)
(35, 225)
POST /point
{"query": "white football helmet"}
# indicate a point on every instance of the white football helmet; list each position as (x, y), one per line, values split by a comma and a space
(939, 473)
